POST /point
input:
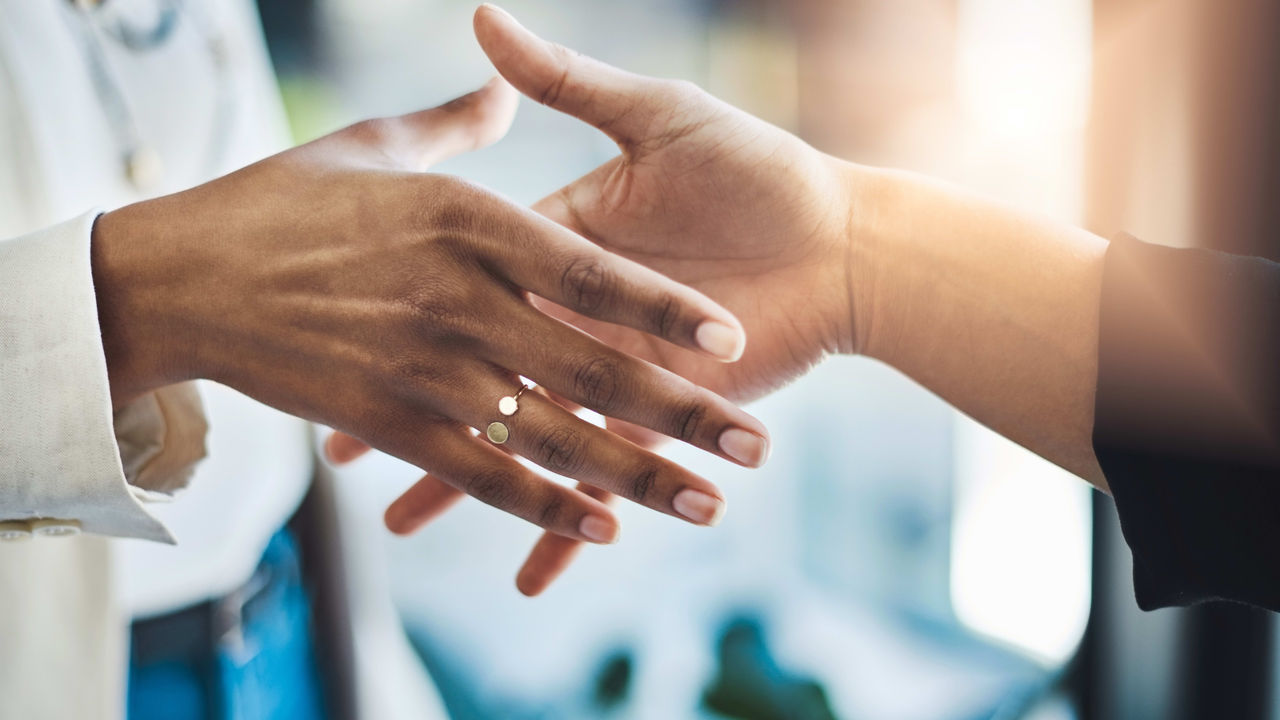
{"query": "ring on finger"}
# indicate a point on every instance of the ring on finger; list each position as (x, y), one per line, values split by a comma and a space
(497, 432)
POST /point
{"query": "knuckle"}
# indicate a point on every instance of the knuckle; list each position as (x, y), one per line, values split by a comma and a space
(494, 487)
(372, 130)
(665, 315)
(462, 103)
(596, 382)
(549, 515)
(453, 216)
(562, 450)
(641, 484)
(688, 420)
(566, 57)
(446, 305)
(585, 284)
(459, 220)
(682, 90)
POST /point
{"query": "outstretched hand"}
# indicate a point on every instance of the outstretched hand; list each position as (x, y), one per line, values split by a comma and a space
(703, 193)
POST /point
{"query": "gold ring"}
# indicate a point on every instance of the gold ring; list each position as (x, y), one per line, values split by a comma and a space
(511, 403)
(497, 432)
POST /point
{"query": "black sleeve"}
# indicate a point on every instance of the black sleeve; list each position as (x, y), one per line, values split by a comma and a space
(1187, 425)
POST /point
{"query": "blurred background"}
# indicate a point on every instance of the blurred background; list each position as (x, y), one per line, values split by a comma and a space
(912, 564)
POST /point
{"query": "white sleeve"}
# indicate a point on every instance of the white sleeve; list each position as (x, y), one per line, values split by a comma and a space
(61, 445)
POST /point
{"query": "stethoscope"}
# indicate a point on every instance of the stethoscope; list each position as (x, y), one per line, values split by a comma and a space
(140, 162)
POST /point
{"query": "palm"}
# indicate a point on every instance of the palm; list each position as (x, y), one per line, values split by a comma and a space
(694, 202)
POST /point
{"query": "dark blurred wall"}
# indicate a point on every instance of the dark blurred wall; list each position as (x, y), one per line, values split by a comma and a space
(1185, 130)
(1237, 125)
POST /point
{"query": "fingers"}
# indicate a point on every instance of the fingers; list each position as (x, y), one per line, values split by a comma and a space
(615, 101)
(554, 438)
(466, 123)
(550, 557)
(573, 272)
(472, 466)
(418, 140)
(430, 497)
(341, 448)
(552, 554)
(579, 368)
(425, 501)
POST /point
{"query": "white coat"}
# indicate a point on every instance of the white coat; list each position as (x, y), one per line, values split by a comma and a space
(83, 545)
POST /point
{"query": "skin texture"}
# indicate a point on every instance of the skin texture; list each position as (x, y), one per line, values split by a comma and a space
(994, 310)
(342, 283)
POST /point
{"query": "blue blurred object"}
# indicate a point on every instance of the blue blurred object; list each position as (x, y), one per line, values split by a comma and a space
(749, 683)
(754, 671)
(263, 668)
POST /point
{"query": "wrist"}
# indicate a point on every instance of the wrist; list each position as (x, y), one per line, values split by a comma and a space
(145, 334)
(861, 239)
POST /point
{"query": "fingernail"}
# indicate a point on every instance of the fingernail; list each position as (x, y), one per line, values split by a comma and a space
(698, 506)
(597, 529)
(744, 446)
(720, 340)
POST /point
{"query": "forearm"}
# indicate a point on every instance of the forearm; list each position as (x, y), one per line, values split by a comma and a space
(993, 309)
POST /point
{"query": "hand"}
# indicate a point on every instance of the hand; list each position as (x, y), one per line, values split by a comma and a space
(340, 283)
(703, 193)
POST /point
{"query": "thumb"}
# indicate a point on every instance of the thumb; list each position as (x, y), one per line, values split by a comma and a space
(421, 139)
(621, 104)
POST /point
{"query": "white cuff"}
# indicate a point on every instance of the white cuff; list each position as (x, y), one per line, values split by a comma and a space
(58, 449)
(161, 437)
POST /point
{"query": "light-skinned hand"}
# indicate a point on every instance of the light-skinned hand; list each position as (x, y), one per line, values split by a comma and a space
(993, 309)
(701, 192)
